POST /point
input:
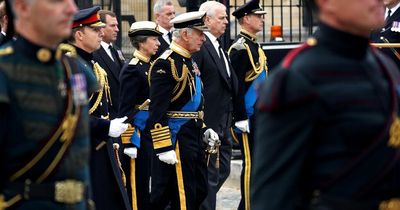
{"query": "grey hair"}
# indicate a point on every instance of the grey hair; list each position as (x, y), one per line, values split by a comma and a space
(136, 40)
(177, 32)
(210, 7)
(158, 6)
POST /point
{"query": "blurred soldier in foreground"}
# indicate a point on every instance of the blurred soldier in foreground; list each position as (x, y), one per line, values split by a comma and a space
(328, 127)
(44, 125)
(3, 21)
(250, 64)
(176, 119)
(134, 95)
(219, 83)
(108, 180)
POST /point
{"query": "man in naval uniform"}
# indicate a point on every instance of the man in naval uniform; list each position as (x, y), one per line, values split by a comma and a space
(176, 119)
(327, 128)
(250, 65)
(107, 177)
(44, 124)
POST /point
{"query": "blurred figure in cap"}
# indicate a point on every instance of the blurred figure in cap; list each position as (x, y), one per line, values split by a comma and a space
(250, 65)
(327, 128)
(176, 118)
(107, 179)
(134, 92)
(44, 125)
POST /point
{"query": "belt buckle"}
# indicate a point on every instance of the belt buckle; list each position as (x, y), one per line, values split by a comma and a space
(69, 191)
(201, 115)
(392, 204)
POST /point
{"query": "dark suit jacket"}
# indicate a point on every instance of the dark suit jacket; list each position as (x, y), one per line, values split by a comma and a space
(163, 46)
(391, 36)
(219, 89)
(113, 69)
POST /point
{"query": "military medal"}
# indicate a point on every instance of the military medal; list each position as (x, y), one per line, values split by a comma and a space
(78, 86)
(395, 26)
(394, 140)
(62, 87)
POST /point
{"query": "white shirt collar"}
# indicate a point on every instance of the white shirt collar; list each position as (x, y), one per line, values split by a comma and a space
(4, 33)
(393, 10)
(107, 49)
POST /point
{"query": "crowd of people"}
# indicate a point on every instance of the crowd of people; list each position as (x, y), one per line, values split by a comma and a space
(83, 127)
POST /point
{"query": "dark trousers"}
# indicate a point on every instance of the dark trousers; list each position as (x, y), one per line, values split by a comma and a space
(141, 178)
(246, 148)
(219, 165)
(182, 184)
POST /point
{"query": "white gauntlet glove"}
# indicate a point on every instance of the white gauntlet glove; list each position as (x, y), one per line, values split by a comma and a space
(117, 127)
(243, 126)
(168, 157)
(131, 152)
(210, 137)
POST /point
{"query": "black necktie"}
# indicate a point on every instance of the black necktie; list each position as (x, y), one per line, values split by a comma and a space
(170, 36)
(221, 56)
(114, 53)
(388, 15)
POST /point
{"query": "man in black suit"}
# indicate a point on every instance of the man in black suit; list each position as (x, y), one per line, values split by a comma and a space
(220, 86)
(110, 57)
(164, 11)
(390, 33)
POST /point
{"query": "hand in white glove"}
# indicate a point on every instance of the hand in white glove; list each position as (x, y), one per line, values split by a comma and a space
(168, 157)
(243, 125)
(117, 127)
(131, 152)
(210, 137)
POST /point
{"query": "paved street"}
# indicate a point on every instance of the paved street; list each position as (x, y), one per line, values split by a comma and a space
(228, 198)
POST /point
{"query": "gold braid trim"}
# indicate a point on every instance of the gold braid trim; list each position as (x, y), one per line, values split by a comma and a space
(174, 71)
(394, 139)
(262, 60)
(101, 77)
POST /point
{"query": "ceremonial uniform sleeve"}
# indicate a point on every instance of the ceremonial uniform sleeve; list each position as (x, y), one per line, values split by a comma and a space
(284, 124)
(161, 88)
(241, 64)
(4, 107)
(91, 81)
(130, 84)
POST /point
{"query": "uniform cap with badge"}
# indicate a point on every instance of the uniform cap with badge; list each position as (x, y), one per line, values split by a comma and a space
(190, 20)
(251, 7)
(144, 28)
(88, 17)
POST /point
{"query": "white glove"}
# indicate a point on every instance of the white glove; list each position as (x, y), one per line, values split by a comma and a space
(243, 125)
(210, 137)
(117, 127)
(168, 157)
(131, 152)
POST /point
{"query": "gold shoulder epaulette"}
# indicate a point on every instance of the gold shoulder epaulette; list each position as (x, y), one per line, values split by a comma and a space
(134, 61)
(6, 51)
(165, 54)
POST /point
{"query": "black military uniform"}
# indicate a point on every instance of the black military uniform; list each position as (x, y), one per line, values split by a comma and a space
(327, 129)
(108, 180)
(134, 93)
(389, 34)
(250, 64)
(176, 124)
(44, 128)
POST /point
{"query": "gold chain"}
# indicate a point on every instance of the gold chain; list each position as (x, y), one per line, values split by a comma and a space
(101, 78)
(262, 58)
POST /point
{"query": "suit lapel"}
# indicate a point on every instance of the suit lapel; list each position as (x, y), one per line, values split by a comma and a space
(217, 61)
(110, 63)
(393, 17)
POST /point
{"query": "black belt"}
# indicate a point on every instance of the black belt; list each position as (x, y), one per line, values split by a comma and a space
(65, 191)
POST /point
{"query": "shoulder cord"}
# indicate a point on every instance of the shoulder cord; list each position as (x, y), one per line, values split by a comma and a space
(101, 77)
(262, 58)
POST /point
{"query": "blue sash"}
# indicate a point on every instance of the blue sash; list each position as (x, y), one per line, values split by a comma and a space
(250, 97)
(192, 106)
(251, 94)
(140, 123)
